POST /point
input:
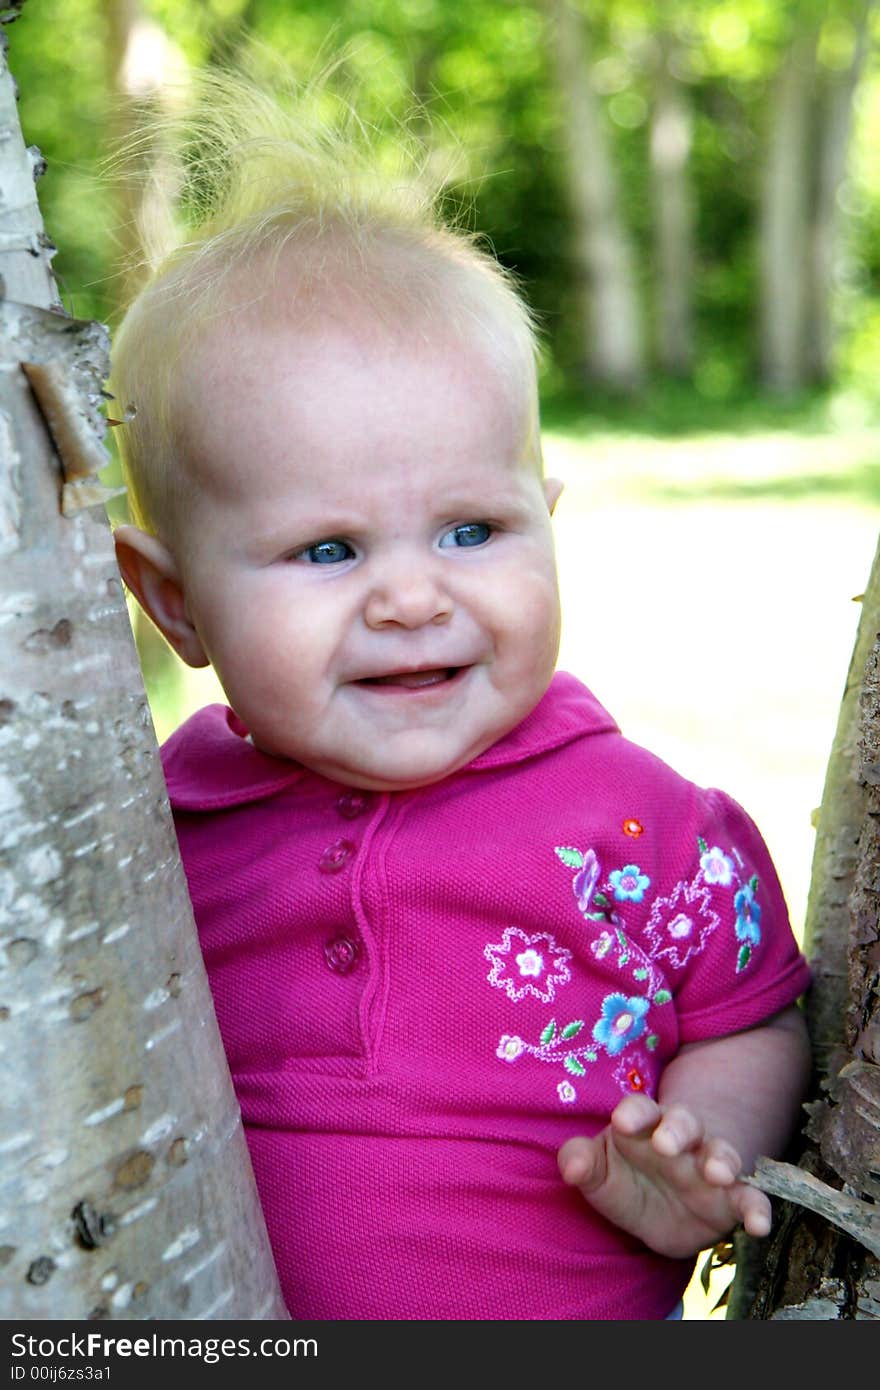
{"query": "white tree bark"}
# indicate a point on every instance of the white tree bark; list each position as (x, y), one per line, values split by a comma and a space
(125, 1184)
(603, 255)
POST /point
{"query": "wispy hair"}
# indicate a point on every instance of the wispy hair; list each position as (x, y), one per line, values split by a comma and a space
(278, 195)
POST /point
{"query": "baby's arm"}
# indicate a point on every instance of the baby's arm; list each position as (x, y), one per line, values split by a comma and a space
(666, 1170)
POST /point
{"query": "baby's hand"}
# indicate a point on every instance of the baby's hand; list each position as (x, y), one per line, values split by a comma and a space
(654, 1172)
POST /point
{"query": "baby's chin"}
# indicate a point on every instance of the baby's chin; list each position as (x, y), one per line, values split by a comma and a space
(401, 772)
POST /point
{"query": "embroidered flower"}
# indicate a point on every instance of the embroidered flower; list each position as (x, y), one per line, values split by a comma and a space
(536, 969)
(632, 827)
(510, 1047)
(631, 1075)
(602, 945)
(680, 925)
(530, 963)
(566, 1092)
(622, 1021)
(629, 883)
(748, 914)
(717, 866)
(585, 880)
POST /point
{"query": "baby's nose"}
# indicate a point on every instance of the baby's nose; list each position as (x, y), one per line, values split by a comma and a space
(407, 596)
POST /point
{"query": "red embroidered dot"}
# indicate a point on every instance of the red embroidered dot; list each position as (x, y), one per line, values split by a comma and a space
(633, 827)
(636, 1080)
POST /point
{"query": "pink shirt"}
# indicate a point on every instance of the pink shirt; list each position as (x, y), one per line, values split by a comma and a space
(422, 994)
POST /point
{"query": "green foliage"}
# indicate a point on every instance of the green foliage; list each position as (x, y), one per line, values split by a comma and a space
(481, 70)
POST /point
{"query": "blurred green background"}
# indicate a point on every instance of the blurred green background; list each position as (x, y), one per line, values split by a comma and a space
(690, 195)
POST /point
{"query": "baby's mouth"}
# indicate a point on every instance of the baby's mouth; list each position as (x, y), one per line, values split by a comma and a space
(414, 680)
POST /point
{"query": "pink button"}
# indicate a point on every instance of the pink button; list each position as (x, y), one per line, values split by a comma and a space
(341, 954)
(352, 804)
(336, 856)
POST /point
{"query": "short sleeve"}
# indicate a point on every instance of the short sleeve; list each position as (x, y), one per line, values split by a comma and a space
(722, 932)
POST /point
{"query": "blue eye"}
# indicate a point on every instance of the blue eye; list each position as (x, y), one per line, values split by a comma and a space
(328, 552)
(471, 533)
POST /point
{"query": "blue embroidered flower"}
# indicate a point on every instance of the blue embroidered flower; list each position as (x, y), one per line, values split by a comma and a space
(622, 1021)
(629, 883)
(748, 914)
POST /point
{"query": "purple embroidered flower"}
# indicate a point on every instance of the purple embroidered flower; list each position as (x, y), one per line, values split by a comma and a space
(622, 1021)
(510, 1047)
(717, 866)
(680, 925)
(585, 880)
(566, 1092)
(629, 883)
(748, 914)
(528, 965)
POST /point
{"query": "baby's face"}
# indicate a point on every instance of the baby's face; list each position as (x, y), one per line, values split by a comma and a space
(368, 559)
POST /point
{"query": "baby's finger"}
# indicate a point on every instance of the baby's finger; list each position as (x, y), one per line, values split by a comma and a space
(582, 1163)
(721, 1163)
(678, 1131)
(755, 1211)
(635, 1116)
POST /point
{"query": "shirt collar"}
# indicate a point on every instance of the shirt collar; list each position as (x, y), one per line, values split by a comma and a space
(210, 764)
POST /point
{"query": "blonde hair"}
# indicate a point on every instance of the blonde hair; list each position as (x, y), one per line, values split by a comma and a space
(357, 219)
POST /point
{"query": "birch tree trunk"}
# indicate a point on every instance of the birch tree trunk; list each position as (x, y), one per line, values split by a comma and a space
(784, 219)
(671, 138)
(822, 1261)
(603, 256)
(125, 1185)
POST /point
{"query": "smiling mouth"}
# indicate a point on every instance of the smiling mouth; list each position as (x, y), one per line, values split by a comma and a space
(413, 680)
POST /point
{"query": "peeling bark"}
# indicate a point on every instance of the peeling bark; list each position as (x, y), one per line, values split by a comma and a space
(125, 1184)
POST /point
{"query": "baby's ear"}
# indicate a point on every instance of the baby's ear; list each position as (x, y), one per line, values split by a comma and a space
(150, 571)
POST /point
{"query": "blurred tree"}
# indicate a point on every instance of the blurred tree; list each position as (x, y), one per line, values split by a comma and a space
(602, 253)
(671, 138)
(808, 126)
(843, 46)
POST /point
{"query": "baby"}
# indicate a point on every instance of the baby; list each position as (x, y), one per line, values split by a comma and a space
(509, 1005)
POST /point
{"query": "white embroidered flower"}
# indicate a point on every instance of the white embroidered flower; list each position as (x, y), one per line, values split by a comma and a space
(541, 965)
(530, 963)
(566, 1092)
(680, 927)
(716, 866)
(602, 946)
(676, 936)
(510, 1047)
